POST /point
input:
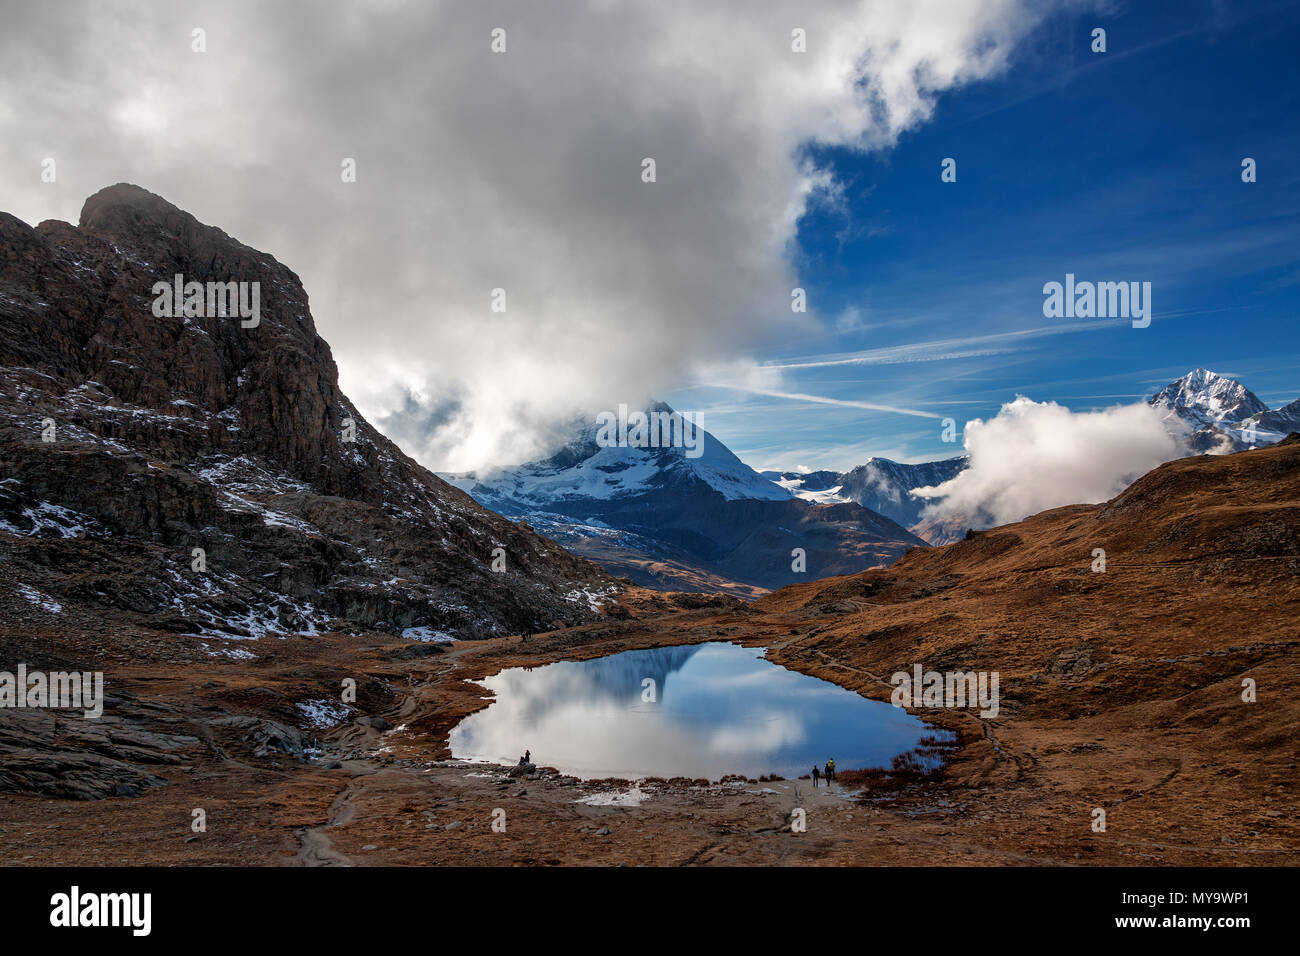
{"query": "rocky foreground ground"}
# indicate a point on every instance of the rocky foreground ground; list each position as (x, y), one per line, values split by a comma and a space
(1020, 794)
(1122, 690)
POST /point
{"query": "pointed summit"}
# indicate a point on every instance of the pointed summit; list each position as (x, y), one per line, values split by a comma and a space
(670, 518)
(1208, 411)
(1202, 397)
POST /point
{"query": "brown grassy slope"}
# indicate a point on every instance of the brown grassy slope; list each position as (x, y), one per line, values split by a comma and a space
(1114, 684)
(1202, 558)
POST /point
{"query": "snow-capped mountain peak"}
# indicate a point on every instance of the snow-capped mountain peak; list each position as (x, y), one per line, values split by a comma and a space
(1217, 414)
(1202, 397)
(591, 468)
(881, 484)
(693, 514)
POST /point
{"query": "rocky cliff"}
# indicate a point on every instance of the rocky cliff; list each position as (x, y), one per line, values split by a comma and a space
(201, 472)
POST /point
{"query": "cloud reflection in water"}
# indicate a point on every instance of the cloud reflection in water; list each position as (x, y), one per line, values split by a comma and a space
(720, 709)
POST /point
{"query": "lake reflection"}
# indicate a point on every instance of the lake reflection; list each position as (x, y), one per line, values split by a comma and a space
(719, 709)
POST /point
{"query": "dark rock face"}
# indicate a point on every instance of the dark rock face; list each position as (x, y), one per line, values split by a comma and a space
(690, 538)
(78, 776)
(43, 752)
(167, 434)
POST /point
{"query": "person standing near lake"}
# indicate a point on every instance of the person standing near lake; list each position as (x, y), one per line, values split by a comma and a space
(815, 774)
(830, 771)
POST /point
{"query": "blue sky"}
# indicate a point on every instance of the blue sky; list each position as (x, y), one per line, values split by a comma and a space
(1117, 166)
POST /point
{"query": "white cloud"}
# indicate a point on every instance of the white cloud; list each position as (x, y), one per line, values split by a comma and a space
(851, 320)
(826, 400)
(478, 170)
(1033, 456)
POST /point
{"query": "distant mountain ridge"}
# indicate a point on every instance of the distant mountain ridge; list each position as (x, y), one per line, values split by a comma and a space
(883, 485)
(667, 520)
(1281, 421)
